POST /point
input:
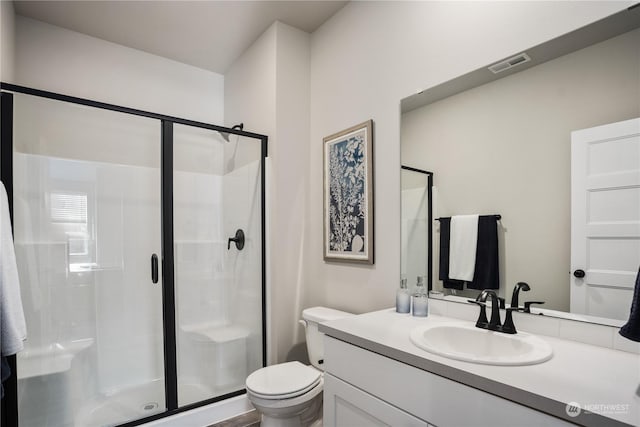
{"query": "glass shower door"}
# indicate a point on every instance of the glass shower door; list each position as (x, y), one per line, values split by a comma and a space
(218, 282)
(87, 219)
(415, 253)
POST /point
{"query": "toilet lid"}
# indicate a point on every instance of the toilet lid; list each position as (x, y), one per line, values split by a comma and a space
(283, 380)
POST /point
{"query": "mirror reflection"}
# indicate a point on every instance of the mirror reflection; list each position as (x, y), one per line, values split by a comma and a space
(520, 146)
(416, 225)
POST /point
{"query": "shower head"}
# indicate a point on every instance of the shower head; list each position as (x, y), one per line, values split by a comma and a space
(231, 163)
(225, 135)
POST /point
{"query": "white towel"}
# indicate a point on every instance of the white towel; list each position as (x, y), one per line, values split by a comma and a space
(462, 247)
(13, 330)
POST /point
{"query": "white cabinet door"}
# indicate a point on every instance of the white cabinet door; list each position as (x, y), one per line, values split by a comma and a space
(348, 406)
(605, 218)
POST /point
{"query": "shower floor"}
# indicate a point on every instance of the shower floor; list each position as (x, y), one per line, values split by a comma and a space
(135, 403)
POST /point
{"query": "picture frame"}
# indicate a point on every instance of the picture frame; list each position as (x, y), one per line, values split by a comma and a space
(348, 195)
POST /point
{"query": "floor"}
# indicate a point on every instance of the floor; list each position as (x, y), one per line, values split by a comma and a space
(250, 419)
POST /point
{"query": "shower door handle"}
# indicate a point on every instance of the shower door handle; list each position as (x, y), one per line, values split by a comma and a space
(154, 268)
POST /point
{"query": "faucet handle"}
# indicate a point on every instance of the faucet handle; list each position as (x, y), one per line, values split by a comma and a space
(527, 305)
(482, 321)
(508, 327)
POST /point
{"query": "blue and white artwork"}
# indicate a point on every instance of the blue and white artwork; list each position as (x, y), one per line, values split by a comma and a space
(347, 196)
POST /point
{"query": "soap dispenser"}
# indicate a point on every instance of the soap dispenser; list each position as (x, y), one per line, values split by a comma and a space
(403, 298)
(420, 299)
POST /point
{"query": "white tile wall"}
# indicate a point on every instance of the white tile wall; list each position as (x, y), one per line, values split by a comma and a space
(536, 324)
(624, 344)
(587, 333)
(437, 307)
(463, 311)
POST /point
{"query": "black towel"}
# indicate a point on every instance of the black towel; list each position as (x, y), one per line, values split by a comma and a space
(486, 274)
(445, 234)
(632, 329)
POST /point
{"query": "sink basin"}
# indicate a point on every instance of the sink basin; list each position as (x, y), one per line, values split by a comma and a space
(471, 344)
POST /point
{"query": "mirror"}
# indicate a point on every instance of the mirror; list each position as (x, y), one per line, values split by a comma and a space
(416, 226)
(501, 144)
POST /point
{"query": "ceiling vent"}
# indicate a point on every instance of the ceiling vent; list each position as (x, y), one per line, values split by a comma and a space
(509, 63)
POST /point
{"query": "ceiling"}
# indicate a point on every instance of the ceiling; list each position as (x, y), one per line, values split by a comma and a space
(205, 34)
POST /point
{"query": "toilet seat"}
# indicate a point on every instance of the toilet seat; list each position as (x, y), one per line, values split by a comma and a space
(286, 395)
(283, 381)
(287, 404)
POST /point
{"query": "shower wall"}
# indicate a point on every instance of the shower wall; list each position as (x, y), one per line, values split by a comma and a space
(218, 286)
(242, 195)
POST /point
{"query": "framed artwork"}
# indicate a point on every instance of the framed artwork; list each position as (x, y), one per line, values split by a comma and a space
(348, 195)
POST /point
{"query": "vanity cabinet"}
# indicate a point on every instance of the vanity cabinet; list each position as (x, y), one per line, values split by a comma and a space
(365, 388)
(350, 406)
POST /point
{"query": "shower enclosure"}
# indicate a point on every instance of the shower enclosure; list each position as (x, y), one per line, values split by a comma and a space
(138, 304)
(416, 212)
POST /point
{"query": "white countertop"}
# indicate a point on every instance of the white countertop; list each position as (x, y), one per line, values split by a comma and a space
(582, 373)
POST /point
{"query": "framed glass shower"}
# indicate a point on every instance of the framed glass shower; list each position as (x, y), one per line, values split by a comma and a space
(138, 303)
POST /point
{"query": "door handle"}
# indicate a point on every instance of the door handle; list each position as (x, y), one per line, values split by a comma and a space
(579, 273)
(154, 268)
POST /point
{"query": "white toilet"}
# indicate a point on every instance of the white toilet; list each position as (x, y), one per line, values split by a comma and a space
(290, 394)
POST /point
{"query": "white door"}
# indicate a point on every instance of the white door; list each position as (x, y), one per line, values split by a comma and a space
(605, 218)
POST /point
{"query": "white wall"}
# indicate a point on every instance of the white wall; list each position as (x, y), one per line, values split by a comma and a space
(289, 151)
(505, 147)
(363, 61)
(58, 60)
(267, 89)
(250, 99)
(7, 44)
(249, 86)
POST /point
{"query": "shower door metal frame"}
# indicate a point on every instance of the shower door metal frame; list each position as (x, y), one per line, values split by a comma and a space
(10, 402)
(429, 220)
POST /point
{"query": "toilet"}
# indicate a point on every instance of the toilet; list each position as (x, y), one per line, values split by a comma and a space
(290, 394)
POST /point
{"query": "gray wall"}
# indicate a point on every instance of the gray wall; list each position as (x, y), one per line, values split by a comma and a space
(504, 147)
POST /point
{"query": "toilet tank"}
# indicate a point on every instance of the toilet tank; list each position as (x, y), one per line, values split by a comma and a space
(315, 345)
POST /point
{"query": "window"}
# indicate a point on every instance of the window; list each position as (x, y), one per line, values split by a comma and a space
(69, 208)
(69, 215)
